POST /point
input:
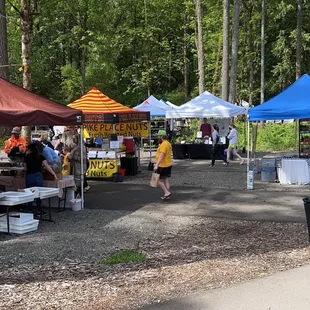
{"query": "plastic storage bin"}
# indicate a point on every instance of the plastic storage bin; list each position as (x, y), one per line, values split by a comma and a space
(268, 174)
(268, 162)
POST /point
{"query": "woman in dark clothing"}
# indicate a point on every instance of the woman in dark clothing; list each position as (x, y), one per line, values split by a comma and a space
(33, 164)
(217, 150)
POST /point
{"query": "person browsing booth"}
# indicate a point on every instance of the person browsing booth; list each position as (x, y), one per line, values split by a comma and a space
(16, 144)
(163, 164)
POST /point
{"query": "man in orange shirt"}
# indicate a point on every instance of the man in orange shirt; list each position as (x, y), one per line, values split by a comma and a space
(15, 141)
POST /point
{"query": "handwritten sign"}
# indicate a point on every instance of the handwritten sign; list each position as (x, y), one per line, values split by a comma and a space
(136, 130)
(101, 168)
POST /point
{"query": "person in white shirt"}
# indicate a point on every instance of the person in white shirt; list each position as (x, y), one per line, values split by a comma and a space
(233, 142)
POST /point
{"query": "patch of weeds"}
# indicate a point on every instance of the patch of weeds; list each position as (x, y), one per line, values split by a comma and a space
(124, 256)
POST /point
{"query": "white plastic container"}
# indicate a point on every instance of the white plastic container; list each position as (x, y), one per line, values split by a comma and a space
(76, 204)
(17, 218)
(250, 180)
(20, 228)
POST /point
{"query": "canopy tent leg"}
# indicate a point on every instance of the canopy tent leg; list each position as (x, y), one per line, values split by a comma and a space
(82, 166)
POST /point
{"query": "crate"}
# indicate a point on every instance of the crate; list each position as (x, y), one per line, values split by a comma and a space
(20, 228)
(17, 218)
(268, 162)
(268, 174)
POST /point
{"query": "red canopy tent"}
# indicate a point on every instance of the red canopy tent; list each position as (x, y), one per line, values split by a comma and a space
(19, 106)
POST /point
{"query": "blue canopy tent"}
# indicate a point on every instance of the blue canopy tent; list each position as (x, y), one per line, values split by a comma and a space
(292, 103)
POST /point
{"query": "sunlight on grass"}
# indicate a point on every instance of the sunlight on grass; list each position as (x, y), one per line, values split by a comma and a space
(124, 256)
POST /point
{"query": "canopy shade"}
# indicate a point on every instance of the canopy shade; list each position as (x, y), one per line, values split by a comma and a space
(171, 105)
(205, 105)
(19, 106)
(154, 106)
(99, 108)
(292, 103)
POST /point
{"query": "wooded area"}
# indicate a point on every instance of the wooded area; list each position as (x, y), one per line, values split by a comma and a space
(173, 49)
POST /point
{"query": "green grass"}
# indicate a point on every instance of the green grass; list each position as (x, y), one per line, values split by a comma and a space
(124, 256)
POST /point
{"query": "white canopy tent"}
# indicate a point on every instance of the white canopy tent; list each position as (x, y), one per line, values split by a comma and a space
(205, 105)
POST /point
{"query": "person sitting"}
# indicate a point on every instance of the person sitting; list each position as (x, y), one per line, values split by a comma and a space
(16, 144)
(51, 157)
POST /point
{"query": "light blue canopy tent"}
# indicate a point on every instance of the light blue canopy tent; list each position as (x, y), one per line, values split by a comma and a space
(155, 107)
(292, 103)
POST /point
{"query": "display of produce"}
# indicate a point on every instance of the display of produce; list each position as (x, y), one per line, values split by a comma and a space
(304, 138)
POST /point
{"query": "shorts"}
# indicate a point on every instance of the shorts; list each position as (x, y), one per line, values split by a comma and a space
(232, 146)
(164, 172)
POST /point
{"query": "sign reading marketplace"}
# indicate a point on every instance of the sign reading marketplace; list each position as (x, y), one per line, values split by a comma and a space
(136, 130)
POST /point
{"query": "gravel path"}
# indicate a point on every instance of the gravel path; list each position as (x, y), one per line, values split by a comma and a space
(58, 267)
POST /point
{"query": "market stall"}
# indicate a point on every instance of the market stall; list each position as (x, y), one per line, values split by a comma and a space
(20, 106)
(113, 122)
(157, 110)
(292, 103)
(207, 106)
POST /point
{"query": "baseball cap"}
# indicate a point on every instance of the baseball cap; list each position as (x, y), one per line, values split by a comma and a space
(162, 133)
(16, 130)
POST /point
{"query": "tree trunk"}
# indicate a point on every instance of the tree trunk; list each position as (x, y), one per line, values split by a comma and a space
(216, 74)
(200, 49)
(299, 40)
(4, 69)
(251, 59)
(262, 84)
(234, 53)
(185, 58)
(225, 65)
(25, 28)
(84, 45)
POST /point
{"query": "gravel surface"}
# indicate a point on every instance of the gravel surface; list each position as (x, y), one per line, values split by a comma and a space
(58, 267)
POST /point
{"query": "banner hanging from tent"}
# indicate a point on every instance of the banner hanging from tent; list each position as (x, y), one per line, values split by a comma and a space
(136, 130)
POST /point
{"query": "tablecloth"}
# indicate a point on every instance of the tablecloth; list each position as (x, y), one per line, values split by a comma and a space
(294, 171)
(12, 184)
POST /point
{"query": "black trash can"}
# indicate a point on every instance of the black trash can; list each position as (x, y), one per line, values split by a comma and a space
(306, 201)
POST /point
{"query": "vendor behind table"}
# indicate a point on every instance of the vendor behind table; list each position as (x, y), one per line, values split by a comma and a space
(15, 144)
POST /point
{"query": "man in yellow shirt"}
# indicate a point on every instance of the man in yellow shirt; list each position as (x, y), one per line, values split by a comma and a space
(163, 164)
(16, 141)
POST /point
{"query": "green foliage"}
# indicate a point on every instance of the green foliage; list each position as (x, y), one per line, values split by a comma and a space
(134, 48)
(123, 257)
(273, 137)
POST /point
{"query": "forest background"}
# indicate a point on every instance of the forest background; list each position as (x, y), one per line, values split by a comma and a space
(130, 49)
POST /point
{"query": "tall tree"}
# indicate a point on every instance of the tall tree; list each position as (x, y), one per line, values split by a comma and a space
(299, 39)
(262, 84)
(200, 47)
(4, 70)
(25, 40)
(225, 62)
(234, 53)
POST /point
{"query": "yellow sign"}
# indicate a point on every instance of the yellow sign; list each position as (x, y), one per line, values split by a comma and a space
(101, 168)
(136, 130)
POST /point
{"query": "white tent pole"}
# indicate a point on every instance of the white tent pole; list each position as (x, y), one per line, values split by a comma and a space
(248, 147)
(82, 165)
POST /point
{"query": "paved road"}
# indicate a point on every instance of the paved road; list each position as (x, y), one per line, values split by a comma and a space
(287, 290)
(193, 201)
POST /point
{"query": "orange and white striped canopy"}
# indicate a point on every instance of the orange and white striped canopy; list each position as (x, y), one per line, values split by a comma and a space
(95, 102)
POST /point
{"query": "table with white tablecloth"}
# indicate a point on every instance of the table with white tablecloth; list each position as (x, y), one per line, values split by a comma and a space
(294, 171)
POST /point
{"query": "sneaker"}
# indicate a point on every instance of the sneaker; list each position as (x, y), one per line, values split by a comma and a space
(226, 164)
(86, 189)
(211, 165)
